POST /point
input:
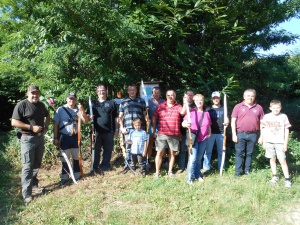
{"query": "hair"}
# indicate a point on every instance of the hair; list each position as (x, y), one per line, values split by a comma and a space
(155, 89)
(131, 85)
(137, 121)
(189, 90)
(172, 91)
(250, 90)
(198, 96)
(100, 85)
(275, 102)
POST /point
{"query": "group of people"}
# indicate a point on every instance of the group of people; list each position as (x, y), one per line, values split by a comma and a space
(170, 127)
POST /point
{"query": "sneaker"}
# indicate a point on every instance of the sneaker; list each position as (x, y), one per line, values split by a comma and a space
(288, 184)
(125, 170)
(274, 180)
(190, 182)
(156, 176)
(62, 182)
(27, 200)
(171, 175)
(247, 173)
(200, 179)
(180, 171)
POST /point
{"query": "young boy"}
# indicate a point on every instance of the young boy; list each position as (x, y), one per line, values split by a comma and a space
(138, 140)
(275, 135)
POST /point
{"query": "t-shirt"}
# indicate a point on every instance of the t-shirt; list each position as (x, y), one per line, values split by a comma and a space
(69, 123)
(274, 127)
(30, 113)
(247, 118)
(104, 115)
(138, 138)
(153, 105)
(169, 119)
(195, 120)
(217, 119)
(132, 109)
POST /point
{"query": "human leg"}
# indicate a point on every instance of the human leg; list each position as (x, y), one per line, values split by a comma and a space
(108, 145)
(97, 153)
(190, 171)
(239, 153)
(198, 162)
(171, 161)
(38, 157)
(76, 168)
(182, 153)
(208, 151)
(140, 160)
(219, 142)
(251, 140)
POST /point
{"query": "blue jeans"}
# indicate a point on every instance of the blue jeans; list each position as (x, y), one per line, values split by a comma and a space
(105, 140)
(244, 149)
(208, 152)
(195, 161)
(182, 153)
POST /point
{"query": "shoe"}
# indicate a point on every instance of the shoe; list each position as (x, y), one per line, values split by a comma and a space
(274, 180)
(171, 175)
(37, 191)
(200, 179)
(190, 182)
(27, 200)
(247, 173)
(180, 171)
(288, 183)
(125, 170)
(62, 182)
(156, 175)
(143, 174)
(148, 166)
(205, 170)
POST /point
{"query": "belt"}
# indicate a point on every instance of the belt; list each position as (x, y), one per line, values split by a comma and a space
(247, 132)
(32, 134)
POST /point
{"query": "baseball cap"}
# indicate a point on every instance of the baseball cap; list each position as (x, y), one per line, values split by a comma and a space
(216, 94)
(72, 95)
(33, 88)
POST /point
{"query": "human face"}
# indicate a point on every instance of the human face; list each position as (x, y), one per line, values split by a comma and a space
(34, 96)
(199, 102)
(249, 97)
(71, 102)
(137, 126)
(156, 94)
(101, 92)
(275, 109)
(131, 91)
(171, 97)
(189, 95)
(216, 101)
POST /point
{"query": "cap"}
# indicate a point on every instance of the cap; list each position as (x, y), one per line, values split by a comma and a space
(215, 94)
(33, 88)
(72, 95)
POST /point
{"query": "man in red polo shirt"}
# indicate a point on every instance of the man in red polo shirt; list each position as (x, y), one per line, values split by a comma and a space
(245, 124)
(168, 113)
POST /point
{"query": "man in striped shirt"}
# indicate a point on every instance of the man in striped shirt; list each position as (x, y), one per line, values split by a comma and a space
(168, 113)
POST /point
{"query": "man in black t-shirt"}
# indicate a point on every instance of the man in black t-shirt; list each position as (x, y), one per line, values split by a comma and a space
(216, 112)
(106, 126)
(32, 119)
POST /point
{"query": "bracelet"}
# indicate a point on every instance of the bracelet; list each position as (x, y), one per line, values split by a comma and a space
(30, 127)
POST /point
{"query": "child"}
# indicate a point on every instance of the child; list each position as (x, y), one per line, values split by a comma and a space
(138, 140)
(275, 135)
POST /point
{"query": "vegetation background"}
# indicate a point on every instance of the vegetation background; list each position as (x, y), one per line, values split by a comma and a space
(73, 45)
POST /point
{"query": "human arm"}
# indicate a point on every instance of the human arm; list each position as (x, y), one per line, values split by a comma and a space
(145, 149)
(55, 132)
(83, 115)
(19, 124)
(154, 126)
(122, 128)
(233, 130)
(117, 127)
(46, 125)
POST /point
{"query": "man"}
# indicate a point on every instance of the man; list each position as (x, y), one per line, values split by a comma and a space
(153, 103)
(169, 115)
(32, 119)
(131, 108)
(65, 134)
(189, 95)
(216, 112)
(245, 125)
(106, 126)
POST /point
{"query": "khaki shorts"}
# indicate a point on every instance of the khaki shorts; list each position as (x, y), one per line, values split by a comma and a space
(273, 150)
(164, 141)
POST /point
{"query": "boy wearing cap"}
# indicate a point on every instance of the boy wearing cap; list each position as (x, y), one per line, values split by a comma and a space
(32, 119)
(65, 134)
(216, 112)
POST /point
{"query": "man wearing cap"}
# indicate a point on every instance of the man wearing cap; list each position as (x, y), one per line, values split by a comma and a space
(106, 126)
(65, 134)
(32, 119)
(245, 125)
(216, 112)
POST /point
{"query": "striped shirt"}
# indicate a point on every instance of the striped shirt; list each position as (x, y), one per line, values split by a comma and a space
(132, 109)
(138, 138)
(169, 119)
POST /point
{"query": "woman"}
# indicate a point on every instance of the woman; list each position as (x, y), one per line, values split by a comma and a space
(200, 126)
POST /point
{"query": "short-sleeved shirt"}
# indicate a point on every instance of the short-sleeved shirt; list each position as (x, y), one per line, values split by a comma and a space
(30, 113)
(195, 120)
(132, 109)
(274, 127)
(68, 123)
(217, 119)
(138, 138)
(247, 118)
(105, 114)
(153, 105)
(169, 119)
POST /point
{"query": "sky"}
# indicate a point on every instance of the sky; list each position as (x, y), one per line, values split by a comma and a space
(292, 26)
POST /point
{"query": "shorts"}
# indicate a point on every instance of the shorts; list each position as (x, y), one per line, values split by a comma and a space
(164, 141)
(274, 149)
